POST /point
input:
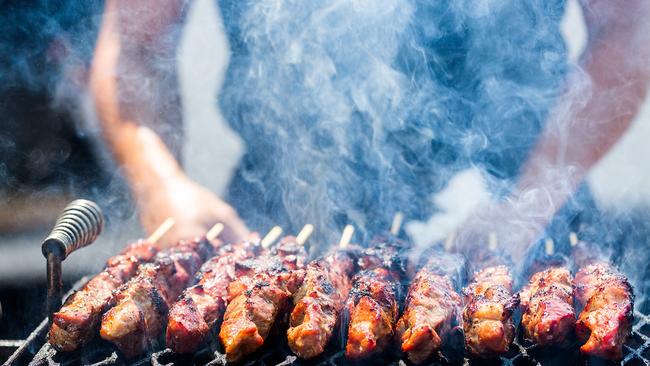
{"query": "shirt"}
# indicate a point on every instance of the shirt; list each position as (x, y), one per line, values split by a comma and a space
(352, 110)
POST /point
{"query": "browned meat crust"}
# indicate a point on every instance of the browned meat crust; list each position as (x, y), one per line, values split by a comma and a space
(136, 321)
(199, 308)
(373, 311)
(606, 319)
(547, 303)
(78, 320)
(318, 303)
(432, 309)
(487, 316)
(261, 292)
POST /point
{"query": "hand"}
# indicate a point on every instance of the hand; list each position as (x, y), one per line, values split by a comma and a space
(194, 208)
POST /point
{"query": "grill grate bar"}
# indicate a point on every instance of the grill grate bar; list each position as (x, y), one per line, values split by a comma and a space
(37, 352)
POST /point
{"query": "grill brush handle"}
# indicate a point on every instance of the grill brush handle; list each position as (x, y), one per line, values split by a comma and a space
(79, 225)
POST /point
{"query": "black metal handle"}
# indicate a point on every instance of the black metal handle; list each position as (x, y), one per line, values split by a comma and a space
(80, 224)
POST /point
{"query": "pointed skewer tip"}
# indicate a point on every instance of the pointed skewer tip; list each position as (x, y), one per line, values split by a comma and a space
(573, 239)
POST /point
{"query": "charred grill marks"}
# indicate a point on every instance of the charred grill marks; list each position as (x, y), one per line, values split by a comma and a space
(432, 309)
(606, 319)
(201, 306)
(318, 303)
(77, 321)
(136, 321)
(262, 290)
(487, 316)
(373, 310)
(547, 303)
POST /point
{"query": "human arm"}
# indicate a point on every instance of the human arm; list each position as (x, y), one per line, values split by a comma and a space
(599, 103)
(134, 86)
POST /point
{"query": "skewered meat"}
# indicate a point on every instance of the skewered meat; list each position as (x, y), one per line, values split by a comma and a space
(372, 302)
(260, 293)
(547, 303)
(487, 316)
(606, 319)
(200, 307)
(77, 321)
(136, 321)
(318, 303)
(372, 305)
(432, 310)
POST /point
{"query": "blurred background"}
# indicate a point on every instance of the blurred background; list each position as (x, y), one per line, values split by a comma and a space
(51, 153)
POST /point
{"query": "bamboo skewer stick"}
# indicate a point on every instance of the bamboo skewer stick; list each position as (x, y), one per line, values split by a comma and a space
(214, 231)
(492, 241)
(304, 234)
(161, 230)
(397, 223)
(346, 236)
(549, 246)
(271, 237)
(449, 241)
(573, 239)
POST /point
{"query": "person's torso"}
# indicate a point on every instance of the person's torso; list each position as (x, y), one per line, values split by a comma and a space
(353, 110)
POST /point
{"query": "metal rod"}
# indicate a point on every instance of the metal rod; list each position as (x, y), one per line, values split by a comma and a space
(54, 284)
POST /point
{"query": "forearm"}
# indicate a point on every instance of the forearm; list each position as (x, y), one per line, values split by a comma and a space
(598, 106)
(137, 105)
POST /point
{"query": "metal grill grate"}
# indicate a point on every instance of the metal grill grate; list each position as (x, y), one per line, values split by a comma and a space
(35, 351)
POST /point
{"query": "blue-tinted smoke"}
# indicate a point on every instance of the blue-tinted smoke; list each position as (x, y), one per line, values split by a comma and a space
(353, 110)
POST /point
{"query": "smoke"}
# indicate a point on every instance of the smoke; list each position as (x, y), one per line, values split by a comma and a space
(352, 110)
(359, 109)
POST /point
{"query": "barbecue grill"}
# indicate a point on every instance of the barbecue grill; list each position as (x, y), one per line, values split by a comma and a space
(36, 351)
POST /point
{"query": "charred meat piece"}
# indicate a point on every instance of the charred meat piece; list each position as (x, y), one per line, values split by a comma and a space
(199, 308)
(139, 316)
(372, 304)
(607, 302)
(261, 292)
(487, 316)
(318, 303)
(373, 311)
(547, 303)
(432, 310)
(78, 320)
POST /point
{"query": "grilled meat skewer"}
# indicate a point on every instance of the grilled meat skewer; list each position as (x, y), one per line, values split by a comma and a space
(261, 292)
(547, 303)
(199, 308)
(77, 321)
(607, 299)
(372, 305)
(432, 309)
(487, 316)
(318, 303)
(139, 316)
(373, 301)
